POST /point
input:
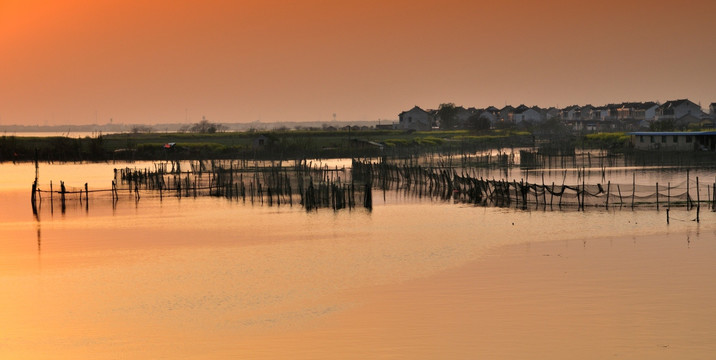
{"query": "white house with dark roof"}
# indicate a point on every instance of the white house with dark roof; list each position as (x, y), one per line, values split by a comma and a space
(586, 112)
(676, 109)
(415, 119)
(551, 113)
(600, 113)
(637, 111)
(649, 109)
(572, 112)
(524, 113)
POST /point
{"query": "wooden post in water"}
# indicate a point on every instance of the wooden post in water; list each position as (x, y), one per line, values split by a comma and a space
(251, 191)
(86, 197)
(698, 200)
(633, 189)
(62, 195)
(544, 192)
(688, 197)
(668, 195)
(368, 201)
(564, 177)
(33, 196)
(621, 200)
(657, 196)
(609, 185)
(584, 190)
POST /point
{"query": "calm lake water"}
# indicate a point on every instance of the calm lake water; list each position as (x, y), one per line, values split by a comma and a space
(413, 278)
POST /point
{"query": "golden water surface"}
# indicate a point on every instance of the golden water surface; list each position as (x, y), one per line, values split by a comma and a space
(413, 279)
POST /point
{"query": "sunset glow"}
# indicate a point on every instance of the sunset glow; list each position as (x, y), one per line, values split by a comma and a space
(82, 62)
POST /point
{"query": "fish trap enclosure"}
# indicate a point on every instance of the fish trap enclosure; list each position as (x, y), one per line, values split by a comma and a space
(316, 185)
(273, 183)
(460, 184)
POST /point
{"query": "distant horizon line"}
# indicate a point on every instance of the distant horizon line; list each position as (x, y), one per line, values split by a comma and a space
(76, 127)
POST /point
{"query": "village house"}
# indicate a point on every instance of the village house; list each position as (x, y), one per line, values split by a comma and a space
(572, 117)
(692, 122)
(462, 115)
(550, 113)
(637, 111)
(674, 141)
(506, 114)
(491, 114)
(586, 112)
(676, 109)
(649, 109)
(524, 113)
(626, 116)
(415, 119)
(600, 113)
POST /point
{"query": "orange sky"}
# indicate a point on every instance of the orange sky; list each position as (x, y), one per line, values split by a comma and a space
(86, 61)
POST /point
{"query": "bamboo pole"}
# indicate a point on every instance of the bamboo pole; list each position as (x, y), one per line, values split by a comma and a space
(698, 200)
(633, 190)
(668, 196)
(688, 197)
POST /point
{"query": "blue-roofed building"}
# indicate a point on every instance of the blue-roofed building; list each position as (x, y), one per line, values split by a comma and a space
(674, 141)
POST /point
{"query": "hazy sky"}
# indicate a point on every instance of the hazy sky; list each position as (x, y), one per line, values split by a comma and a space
(144, 61)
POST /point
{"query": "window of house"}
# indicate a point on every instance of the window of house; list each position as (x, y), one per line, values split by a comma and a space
(410, 119)
(641, 138)
(676, 139)
(688, 138)
(651, 138)
(663, 138)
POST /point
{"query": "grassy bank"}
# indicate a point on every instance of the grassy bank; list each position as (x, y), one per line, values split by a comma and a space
(288, 144)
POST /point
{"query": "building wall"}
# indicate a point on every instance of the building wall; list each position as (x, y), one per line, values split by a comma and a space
(650, 113)
(657, 141)
(686, 109)
(489, 116)
(415, 119)
(531, 115)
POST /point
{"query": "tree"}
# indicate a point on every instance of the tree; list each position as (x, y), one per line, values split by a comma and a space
(476, 122)
(206, 127)
(136, 129)
(447, 113)
(663, 125)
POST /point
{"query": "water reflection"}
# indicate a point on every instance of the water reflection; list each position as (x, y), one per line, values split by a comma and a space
(39, 239)
(416, 277)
